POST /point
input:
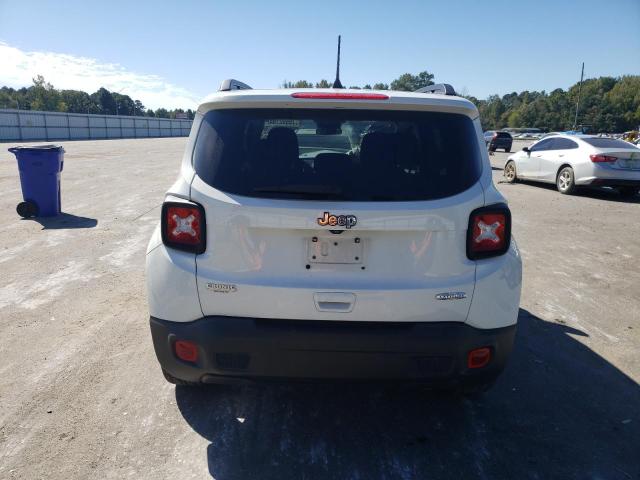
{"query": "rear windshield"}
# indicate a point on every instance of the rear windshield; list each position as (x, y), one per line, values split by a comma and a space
(504, 134)
(607, 143)
(352, 155)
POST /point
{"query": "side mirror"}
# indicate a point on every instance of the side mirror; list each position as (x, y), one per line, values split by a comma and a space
(526, 149)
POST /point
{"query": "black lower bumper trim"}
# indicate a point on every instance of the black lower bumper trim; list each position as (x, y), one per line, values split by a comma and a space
(239, 349)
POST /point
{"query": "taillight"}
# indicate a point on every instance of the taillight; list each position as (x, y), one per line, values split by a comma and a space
(183, 226)
(489, 232)
(602, 158)
(341, 96)
(495, 135)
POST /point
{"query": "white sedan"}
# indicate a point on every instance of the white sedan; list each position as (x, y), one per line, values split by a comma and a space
(571, 161)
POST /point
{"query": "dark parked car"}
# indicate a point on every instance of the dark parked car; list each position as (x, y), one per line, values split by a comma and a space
(496, 140)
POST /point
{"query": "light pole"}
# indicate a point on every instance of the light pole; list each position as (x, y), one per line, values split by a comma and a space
(575, 120)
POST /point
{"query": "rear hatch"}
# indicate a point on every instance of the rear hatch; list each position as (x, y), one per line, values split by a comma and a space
(502, 137)
(336, 214)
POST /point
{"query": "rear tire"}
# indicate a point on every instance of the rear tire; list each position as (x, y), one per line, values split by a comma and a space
(565, 182)
(176, 381)
(627, 192)
(510, 173)
(507, 150)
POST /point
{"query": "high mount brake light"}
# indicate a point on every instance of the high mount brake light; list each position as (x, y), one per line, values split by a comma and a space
(602, 159)
(183, 226)
(489, 232)
(341, 96)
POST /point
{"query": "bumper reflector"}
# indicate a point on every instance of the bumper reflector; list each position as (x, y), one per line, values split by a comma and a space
(186, 351)
(479, 357)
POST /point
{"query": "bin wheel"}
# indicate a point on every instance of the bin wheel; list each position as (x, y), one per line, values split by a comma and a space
(27, 209)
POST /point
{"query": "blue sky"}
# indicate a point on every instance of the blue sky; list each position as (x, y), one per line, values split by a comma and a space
(173, 53)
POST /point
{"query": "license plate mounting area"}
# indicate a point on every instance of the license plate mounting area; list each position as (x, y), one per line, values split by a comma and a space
(334, 250)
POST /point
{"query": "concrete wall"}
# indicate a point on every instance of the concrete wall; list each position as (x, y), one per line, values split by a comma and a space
(30, 125)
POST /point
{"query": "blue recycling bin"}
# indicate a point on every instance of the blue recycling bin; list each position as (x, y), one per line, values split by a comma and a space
(40, 167)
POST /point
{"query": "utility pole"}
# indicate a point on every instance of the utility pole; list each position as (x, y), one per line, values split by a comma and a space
(575, 120)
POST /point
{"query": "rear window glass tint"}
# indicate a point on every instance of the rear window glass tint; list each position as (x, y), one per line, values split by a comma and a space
(503, 134)
(562, 144)
(545, 144)
(353, 155)
(607, 143)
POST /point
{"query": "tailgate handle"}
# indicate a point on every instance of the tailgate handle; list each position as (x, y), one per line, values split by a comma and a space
(340, 302)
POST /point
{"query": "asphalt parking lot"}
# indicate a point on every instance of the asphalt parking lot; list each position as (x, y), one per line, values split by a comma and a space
(82, 396)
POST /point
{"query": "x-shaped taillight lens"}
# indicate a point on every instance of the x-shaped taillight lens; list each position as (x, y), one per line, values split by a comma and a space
(489, 232)
(183, 226)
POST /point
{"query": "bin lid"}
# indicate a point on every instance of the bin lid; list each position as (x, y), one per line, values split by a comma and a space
(37, 148)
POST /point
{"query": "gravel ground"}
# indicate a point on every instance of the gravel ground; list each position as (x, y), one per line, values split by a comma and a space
(81, 394)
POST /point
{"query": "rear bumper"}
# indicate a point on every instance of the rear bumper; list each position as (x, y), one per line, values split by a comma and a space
(236, 350)
(501, 144)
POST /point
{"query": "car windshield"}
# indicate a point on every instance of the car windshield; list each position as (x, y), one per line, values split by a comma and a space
(356, 155)
(607, 143)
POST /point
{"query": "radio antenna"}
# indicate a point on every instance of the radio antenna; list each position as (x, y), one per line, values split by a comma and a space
(336, 83)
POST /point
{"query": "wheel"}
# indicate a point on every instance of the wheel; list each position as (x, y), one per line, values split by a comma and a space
(492, 148)
(27, 209)
(176, 381)
(507, 150)
(627, 192)
(565, 181)
(510, 172)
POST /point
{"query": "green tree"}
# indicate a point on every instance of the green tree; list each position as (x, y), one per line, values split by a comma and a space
(42, 95)
(409, 83)
(105, 102)
(162, 113)
(77, 101)
(124, 104)
(380, 86)
(138, 108)
(323, 84)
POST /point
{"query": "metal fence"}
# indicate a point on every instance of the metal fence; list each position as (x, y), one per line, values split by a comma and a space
(30, 125)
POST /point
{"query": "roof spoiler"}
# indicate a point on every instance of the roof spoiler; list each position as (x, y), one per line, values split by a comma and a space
(439, 88)
(233, 84)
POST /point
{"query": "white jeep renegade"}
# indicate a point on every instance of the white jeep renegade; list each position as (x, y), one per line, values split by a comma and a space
(336, 235)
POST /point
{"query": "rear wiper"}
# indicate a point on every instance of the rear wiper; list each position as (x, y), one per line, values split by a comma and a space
(316, 190)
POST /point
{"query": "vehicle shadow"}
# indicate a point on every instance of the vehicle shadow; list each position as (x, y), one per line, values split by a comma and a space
(559, 411)
(64, 221)
(600, 193)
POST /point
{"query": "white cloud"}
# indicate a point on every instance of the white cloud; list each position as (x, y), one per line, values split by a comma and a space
(63, 71)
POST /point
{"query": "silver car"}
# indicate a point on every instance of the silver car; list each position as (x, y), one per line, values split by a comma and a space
(572, 161)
